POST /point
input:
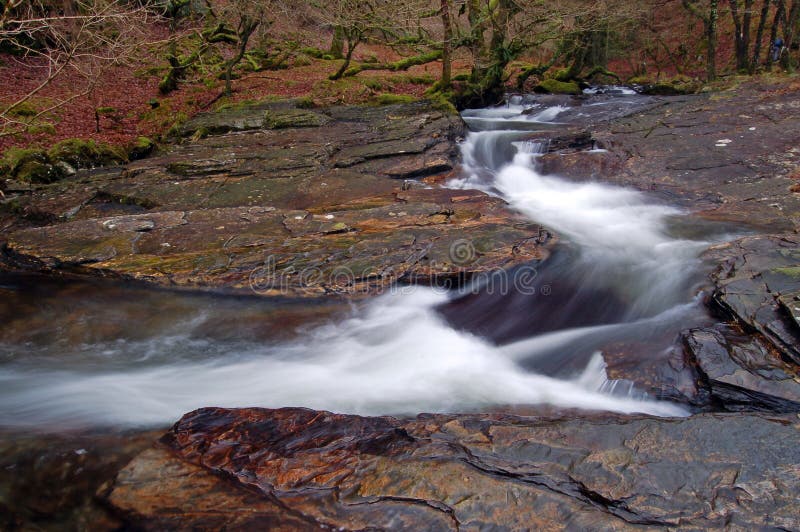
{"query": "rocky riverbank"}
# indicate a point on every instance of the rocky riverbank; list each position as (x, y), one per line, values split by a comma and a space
(278, 199)
(344, 189)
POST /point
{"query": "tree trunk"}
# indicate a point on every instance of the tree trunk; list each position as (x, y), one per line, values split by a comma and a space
(477, 23)
(246, 29)
(757, 45)
(774, 31)
(352, 42)
(741, 23)
(711, 35)
(337, 43)
(789, 34)
(710, 27)
(447, 45)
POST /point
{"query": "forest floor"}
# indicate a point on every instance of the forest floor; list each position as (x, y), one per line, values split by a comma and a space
(131, 105)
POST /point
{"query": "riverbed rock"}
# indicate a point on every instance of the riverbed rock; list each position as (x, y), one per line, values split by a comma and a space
(756, 285)
(742, 372)
(49, 481)
(467, 472)
(277, 199)
(731, 155)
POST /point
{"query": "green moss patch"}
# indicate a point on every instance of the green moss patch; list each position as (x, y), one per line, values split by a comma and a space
(792, 271)
(392, 99)
(553, 86)
(82, 153)
(33, 165)
(29, 165)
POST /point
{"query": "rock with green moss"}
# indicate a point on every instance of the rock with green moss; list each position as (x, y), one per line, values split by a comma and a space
(205, 213)
(81, 153)
(33, 165)
(670, 87)
(30, 166)
(248, 116)
(553, 86)
(143, 147)
(282, 119)
(392, 99)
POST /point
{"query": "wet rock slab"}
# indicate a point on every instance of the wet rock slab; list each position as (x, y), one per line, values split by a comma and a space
(756, 285)
(741, 372)
(732, 154)
(278, 199)
(310, 469)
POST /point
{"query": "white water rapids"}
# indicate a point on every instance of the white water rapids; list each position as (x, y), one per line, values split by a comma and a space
(397, 354)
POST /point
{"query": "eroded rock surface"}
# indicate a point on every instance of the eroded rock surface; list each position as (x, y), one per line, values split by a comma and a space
(757, 285)
(732, 154)
(278, 199)
(468, 472)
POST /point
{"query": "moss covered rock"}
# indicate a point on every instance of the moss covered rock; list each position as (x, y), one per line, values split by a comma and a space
(81, 153)
(670, 87)
(553, 86)
(141, 148)
(30, 166)
(392, 99)
(285, 118)
(34, 165)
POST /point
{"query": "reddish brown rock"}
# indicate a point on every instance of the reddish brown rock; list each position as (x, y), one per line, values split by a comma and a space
(470, 472)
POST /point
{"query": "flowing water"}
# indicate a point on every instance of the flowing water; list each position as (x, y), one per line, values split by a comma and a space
(81, 354)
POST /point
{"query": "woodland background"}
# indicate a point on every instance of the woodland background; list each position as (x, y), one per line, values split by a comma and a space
(112, 78)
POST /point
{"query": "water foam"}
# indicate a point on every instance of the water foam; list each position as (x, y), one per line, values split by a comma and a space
(396, 356)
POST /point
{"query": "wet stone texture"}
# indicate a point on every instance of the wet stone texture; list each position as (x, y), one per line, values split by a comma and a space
(307, 469)
(280, 200)
(732, 155)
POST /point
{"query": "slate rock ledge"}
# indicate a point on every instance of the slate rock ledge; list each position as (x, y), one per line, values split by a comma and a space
(281, 200)
(298, 469)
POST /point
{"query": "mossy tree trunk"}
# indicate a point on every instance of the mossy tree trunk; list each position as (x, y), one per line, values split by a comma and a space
(711, 36)
(353, 38)
(247, 25)
(447, 46)
(489, 61)
(709, 19)
(337, 43)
